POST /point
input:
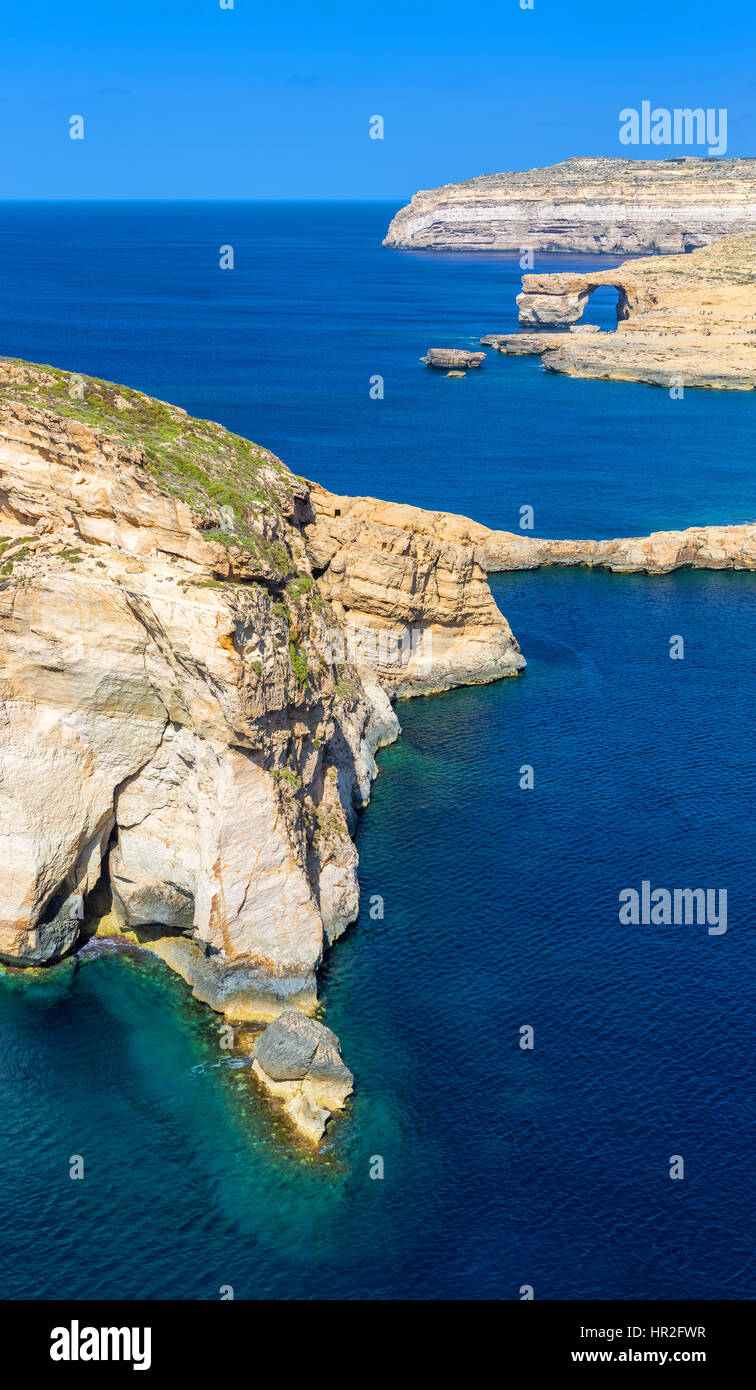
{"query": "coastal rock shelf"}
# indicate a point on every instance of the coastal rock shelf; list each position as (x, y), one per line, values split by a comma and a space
(619, 206)
(682, 320)
(697, 547)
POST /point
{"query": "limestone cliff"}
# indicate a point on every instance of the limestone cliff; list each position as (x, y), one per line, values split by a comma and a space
(198, 653)
(186, 733)
(619, 206)
(697, 547)
(682, 320)
(415, 605)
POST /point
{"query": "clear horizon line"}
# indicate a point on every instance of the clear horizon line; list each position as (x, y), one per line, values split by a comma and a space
(92, 198)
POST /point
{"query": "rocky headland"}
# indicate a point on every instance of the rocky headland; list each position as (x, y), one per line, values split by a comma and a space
(682, 320)
(617, 206)
(197, 655)
(697, 547)
(414, 603)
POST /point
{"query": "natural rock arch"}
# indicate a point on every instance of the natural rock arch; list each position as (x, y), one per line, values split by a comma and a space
(558, 301)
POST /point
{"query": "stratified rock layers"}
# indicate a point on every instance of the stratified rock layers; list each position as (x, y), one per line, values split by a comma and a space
(682, 320)
(179, 735)
(453, 359)
(197, 657)
(415, 606)
(661, 552)
(187, 729)
(619, 206)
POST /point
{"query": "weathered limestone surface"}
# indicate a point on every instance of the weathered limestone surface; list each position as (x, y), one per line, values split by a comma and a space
(697, 547)
(298, 1061)
(619, 206)
(522, 344)
(451, 358)
(197, 655)
(185, 739)
(682, 320)
(551, 310)
(157, 718)
(416, 606)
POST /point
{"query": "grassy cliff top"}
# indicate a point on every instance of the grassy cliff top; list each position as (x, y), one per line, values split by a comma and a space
(226, 479)
(686, 172)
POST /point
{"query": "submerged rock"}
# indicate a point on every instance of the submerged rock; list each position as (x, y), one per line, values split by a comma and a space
(298, 1061)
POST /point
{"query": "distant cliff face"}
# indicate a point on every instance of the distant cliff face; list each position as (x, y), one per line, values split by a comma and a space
(618, 206)
(186, 728)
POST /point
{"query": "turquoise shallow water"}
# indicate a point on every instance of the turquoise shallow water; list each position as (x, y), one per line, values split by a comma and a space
(501, 1167)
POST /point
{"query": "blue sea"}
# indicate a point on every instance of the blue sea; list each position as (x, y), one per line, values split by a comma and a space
(503, 1167)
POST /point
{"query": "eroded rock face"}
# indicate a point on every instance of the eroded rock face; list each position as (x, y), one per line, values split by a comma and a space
(415, 607)
(682, 320)
(551, 310)
(697, 547)
(446, 359)
(194, 677)
(185, 735)
(299, 1062)
(619, 206)
(174, 730)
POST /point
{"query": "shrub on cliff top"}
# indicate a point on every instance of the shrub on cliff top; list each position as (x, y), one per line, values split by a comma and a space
(226, 479)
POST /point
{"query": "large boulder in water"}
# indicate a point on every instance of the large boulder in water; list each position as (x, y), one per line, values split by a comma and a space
(298, 1060)
(446, 358)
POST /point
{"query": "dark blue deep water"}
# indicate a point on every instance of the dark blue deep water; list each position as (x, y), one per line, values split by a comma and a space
(503, 1167)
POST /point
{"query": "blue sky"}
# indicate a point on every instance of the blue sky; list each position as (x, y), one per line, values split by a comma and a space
(182, 99)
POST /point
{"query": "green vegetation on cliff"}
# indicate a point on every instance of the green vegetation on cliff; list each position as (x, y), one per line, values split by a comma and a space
(227, 480)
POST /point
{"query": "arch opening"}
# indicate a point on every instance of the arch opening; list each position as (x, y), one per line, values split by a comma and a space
(604, 307)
